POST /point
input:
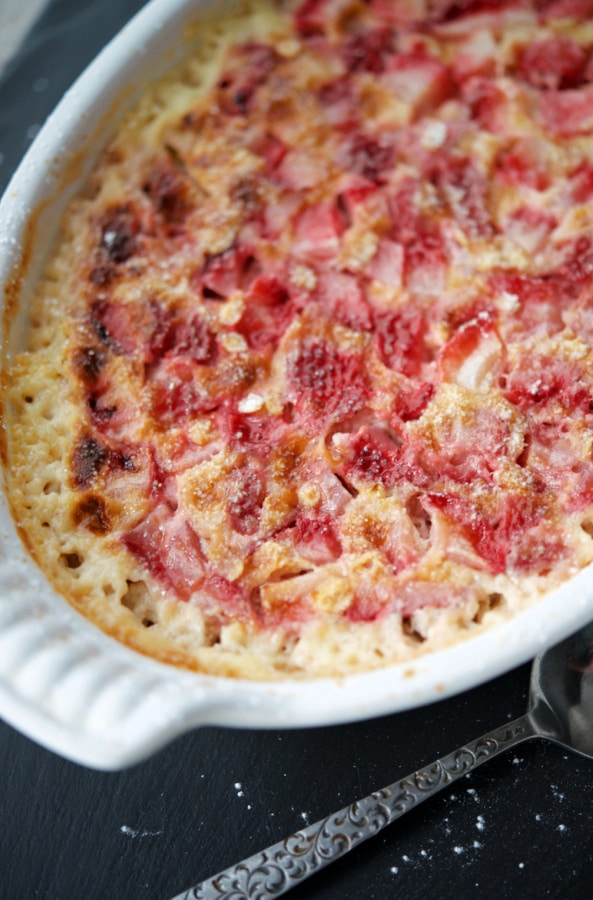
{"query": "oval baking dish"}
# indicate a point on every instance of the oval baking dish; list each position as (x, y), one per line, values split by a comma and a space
(63, 682)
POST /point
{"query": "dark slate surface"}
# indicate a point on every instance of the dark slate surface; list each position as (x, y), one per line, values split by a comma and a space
(522, 826)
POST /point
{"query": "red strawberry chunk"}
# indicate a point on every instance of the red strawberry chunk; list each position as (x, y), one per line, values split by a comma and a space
(367, 51)
(387, 265)
(318, 231)
(524, 164)
(487, 103)
(341, 298)
(190, 338)
(539, 380)
(420, 80)
(582, 183)
(250, 66)
(311, 17)
(339, 102)
(316, 536)
(272, 149)
(400, 339)
(226, 272)
(475, 56)
(567, 113)
(373, 455)
(541, 303)
(425, 265)
(553, 63)
(578, 263)
(561, 9)
(370, 157)
(411, 401)
(268, 313)
(530, 227)
(168, 546)
(471, 355)
(175, 396)
(246, 493)
(327, 383)
(473, 526)
(464, 189)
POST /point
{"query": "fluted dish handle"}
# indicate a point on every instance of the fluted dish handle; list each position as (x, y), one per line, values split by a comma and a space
(286, 864)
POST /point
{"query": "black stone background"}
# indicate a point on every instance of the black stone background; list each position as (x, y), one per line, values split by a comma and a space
(522, 826)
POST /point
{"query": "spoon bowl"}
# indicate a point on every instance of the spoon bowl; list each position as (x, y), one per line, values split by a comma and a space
(560, 710)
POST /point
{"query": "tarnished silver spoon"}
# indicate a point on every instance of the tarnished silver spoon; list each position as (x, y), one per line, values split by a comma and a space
(560, 710)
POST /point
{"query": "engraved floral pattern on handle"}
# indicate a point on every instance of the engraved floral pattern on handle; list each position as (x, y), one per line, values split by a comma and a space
(284, 865)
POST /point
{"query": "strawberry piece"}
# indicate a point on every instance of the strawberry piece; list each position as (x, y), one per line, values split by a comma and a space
(268, 313)
(311, 17)
(225, 273)
(175, 396)
(316, 536)
(524, 165)
(582, 183)
(373, 456)
(339, 102)
(166, 544)
(473, 526)
(425, 263)
(369, 157)
(540, 380)
(246, 493)
(451, 10)
(327, 383)
(578, 264)
(470, 356)
(249, 430)
(561, 9)
(567, 113)
(400, 340)
(464, 189)
(387, 265)
(553, 63)
(420, 80)
(318, 231)
(190, 338)
(411, 402)
(341, 298)
(541, 304)
(250, 66)
(272, 149)
(367, 51)
(530, 227)
(487, 103)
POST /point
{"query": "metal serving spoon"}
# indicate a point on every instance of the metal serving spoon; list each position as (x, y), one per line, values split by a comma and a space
(560, 710)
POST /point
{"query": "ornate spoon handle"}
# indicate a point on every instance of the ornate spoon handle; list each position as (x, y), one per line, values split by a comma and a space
(284, 865)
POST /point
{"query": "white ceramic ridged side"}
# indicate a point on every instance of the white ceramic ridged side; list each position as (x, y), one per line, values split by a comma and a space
(72, 688)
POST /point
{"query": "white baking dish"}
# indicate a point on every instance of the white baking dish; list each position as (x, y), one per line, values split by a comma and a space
(62, 681)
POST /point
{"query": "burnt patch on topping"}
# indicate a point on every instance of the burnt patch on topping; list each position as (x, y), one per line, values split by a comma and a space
(91, 513)
(119, 230)
(87, 459)
(169, 190)
(251, 65)
(88, 362)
